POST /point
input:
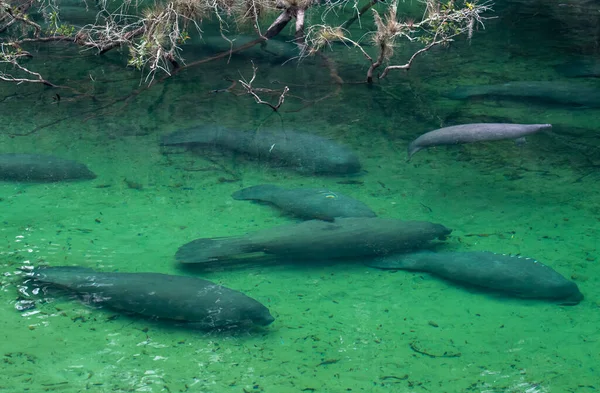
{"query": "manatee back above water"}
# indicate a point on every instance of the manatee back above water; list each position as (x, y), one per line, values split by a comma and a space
(201, 303)
(41, 168)
(518, 276)
(301, 151)
(309, 203)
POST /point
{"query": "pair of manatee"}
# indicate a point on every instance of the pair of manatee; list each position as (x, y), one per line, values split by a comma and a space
(301, 151)
(558, 92)
(561, 92)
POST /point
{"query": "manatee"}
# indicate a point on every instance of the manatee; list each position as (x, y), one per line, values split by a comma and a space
(308, 203)
(581, 68)
(561, 92)
(41, 168)
(273, 47)
(476, 132)
(513, 275)
(303, 152)
(189, 300)
(317, 240)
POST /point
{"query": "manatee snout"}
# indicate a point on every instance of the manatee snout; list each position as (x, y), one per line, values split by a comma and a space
(254, 313)
(264, 319)
(442, 232)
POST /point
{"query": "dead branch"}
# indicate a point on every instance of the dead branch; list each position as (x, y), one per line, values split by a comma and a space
(38, 78)
(299, 36)
(153, 35)
(227, 89)
(358, 14)
(439, 26)
(410, 61)
(279, 24)
(18, 15)
(252, 91)
(275, 28)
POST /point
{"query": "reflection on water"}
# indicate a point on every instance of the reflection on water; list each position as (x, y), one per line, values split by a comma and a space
(339, 325)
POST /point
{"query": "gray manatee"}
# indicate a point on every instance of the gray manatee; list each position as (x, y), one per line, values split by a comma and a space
(476, 132)
(581, 68)
(561, 92)
(196, 302)
(517, 276)
(41, 168)
(308, 203)
(303, 152)
(346, 237)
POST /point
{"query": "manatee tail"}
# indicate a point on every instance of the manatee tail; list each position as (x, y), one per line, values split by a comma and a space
(213, 249)
(404, 261)
(257, 193)
(412, 149)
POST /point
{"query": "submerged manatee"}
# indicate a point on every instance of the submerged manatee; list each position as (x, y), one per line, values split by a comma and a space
(302, 152)
(570, 93)
(476, 132)
(199, 303)
(274, 47)
(518, 276)
(41, 168)
(317, 240)
(309, 203)
(581, 68)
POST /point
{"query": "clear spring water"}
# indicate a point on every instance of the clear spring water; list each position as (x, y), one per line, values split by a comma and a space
(340, 327)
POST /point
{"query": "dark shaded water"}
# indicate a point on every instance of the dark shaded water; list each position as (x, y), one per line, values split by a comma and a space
(339, 326)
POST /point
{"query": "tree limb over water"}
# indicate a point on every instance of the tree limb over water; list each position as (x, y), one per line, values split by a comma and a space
(155, 32)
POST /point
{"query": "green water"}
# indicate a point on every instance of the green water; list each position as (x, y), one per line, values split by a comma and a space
(340, 327)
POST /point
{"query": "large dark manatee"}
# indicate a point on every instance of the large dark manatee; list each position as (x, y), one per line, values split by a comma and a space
(476, 132)
(317, 240)
(518, 276)
(302, 152)
(560, 92)
(41, 168)
(199, 303)
(581, 68)
(308, 203)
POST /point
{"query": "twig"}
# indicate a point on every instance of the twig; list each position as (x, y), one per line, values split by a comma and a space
(227, 89)
(410, 61)
(24, 20)
(358, 14)
(250, 90)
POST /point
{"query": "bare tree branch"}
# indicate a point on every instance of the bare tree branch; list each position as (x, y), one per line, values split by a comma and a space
(252, 91)
(154, 34)
(439, 26)
(410, 61)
